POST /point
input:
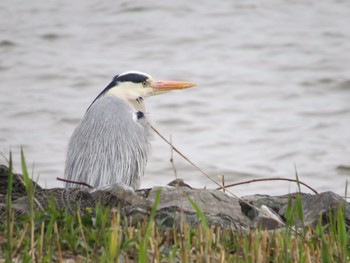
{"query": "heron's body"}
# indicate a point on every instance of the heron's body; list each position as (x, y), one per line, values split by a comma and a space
(110, 145)
(109, 119)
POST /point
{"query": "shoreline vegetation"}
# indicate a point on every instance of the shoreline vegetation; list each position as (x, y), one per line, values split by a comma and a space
(36, 227)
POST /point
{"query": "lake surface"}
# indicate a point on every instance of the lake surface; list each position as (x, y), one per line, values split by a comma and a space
(273, 94)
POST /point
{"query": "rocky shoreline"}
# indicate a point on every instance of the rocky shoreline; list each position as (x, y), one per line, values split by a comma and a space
(219, 208)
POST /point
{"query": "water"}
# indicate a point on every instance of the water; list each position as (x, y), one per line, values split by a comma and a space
(273, 88)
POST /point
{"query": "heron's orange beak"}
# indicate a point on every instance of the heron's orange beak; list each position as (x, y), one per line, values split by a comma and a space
(168, 85)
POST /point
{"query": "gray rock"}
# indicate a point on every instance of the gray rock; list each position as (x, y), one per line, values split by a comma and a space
(267, 219)
(218, 208)
(321, 205)
(314, 207)
(273, 202)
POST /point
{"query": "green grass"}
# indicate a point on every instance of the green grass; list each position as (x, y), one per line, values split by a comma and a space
(9, 218)
(104, 235)
(143, 247)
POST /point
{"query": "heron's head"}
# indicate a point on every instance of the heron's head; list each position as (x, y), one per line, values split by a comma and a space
(134, 86)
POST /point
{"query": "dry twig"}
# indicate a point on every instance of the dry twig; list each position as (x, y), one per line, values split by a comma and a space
(74, 182)
(172, 156)
(268, 179)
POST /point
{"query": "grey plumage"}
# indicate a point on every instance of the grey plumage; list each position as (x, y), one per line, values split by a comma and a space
(109, 128)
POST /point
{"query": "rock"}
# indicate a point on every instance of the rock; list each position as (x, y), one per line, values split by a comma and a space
(321, 205)
(18, 187)
(267, 219)
(218, 208)
(314, 206)
(273, 202)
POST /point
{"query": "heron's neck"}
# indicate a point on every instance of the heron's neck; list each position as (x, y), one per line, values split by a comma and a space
(138, 104)
(134, 100)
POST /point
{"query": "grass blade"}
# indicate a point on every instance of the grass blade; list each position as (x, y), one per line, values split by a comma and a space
(342, 234)
(298, 201)
(30, 194)
(200, 215)
(144, 245)
(9, 210)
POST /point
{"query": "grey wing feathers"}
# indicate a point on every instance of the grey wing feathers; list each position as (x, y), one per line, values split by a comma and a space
(108, 146)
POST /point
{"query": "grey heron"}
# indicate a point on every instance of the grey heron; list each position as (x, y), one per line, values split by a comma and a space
(111, 143)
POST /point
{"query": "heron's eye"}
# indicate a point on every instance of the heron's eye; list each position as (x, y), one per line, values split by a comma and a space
(144, 83)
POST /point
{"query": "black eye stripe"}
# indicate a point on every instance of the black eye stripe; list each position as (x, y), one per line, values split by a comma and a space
(133, 77)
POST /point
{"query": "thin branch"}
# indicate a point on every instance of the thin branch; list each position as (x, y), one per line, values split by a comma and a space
(74, 182)
(223, 183)
(172, 156)
(206, 175)
(269, 179)
(183, 156)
